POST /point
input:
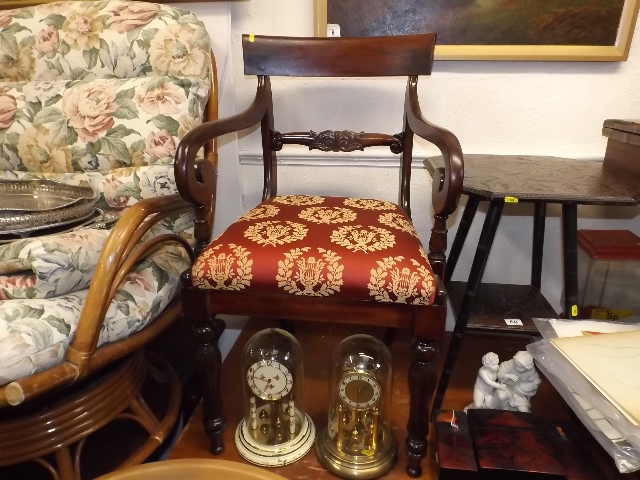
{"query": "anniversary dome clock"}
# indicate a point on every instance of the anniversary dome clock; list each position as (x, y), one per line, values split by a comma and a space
(275, 430)
(357, 442)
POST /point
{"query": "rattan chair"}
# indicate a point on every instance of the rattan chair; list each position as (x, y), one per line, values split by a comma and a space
(100, 97)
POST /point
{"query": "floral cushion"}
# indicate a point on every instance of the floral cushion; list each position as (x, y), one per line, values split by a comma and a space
(52, 265)
(35, 333)
(360, 249)
(132, 122)
(102, 39)
(94, 86)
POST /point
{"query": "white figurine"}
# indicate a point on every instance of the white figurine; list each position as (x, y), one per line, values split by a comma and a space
(522, 382)
(486, 385)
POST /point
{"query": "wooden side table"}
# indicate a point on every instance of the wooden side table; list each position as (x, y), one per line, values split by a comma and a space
(534, 179)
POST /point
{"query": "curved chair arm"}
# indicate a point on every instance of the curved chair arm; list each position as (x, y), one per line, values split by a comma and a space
(116, 260)
(196, 180)
(133, 224)
(447, 181)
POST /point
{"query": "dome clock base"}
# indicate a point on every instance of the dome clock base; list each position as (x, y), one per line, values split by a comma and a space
(274, 455)
(355, 467)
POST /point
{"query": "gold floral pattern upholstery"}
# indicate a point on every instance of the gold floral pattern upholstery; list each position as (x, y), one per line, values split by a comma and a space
(280, 247)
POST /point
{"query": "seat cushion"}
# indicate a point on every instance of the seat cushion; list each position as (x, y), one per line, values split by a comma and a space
(352, 248)
(47, 127)
(35, 332)
(122, 39)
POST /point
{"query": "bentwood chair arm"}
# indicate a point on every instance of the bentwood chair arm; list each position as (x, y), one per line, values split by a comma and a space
(115, 261)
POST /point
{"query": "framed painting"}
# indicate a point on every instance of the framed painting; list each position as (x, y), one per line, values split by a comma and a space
(547, 30)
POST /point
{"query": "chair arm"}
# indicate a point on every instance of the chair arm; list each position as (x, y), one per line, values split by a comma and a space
(447, 181)
(196, 179)
(115, 261)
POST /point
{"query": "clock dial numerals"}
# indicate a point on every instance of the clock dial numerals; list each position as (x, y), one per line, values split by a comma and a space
(269, 380)
(359, 390)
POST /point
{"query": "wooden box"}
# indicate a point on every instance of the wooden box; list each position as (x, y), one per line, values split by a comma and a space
(623, 146)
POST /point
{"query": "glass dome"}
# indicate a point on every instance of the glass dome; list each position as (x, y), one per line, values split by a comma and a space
(357, 442)
(275, 429)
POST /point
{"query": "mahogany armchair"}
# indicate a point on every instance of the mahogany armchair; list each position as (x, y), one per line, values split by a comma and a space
(326, 259)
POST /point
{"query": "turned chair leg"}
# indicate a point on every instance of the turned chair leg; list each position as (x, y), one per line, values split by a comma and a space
(209, 366)
(422, 383)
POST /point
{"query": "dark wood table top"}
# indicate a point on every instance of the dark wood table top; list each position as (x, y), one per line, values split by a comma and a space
(318, 341)
(549, 179)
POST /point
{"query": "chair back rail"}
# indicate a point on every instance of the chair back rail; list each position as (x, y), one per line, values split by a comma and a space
(339, 57)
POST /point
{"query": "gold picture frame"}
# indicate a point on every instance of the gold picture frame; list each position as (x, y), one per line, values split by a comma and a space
(11, 4)
(594, 53)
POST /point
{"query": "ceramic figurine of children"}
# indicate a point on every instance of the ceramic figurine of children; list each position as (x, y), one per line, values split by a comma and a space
(522, 381)
(486, 385)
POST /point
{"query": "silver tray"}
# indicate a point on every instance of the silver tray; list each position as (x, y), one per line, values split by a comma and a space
(73, 204)
(97, 219)
(40, 195)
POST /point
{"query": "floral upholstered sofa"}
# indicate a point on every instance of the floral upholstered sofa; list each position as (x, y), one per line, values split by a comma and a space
(95, 93)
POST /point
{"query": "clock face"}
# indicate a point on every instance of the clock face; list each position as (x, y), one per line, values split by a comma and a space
(269, 380)
(359, 390)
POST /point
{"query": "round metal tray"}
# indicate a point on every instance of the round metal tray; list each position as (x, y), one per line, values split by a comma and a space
(98, 219)
(41, 195)
(32, 205)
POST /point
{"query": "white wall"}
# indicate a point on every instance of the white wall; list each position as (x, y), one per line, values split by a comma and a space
(539, 108)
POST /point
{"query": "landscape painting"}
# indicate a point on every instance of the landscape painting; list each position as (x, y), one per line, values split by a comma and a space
(580, 28)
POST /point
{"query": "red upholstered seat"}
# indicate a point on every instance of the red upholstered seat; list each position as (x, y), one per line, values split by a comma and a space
(354, 248)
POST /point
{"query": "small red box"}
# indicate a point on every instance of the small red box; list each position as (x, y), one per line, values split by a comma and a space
(608, 274)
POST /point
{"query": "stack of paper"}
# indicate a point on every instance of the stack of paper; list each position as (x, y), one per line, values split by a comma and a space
(611, 362)
(595, 366)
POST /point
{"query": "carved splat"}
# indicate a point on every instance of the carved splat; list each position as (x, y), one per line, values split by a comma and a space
(337, 140)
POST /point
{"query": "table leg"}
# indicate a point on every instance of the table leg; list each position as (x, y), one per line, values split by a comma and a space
(570, 247)
(475, 276)
(461, 235)
(539, 216)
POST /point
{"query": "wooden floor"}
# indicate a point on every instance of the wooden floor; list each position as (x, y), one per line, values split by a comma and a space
(318, 340)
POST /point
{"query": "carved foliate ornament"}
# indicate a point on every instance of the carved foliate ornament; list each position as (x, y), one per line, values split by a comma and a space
(298, 200)
(336, 141)
(275, 232)
(328, 215)
(369, 204)
(392, 283)
(303, 274)
(261, 211)
(223, 271)
(397, 221)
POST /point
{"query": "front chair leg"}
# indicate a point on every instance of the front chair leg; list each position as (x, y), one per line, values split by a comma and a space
(422, 383)
(209, 366)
